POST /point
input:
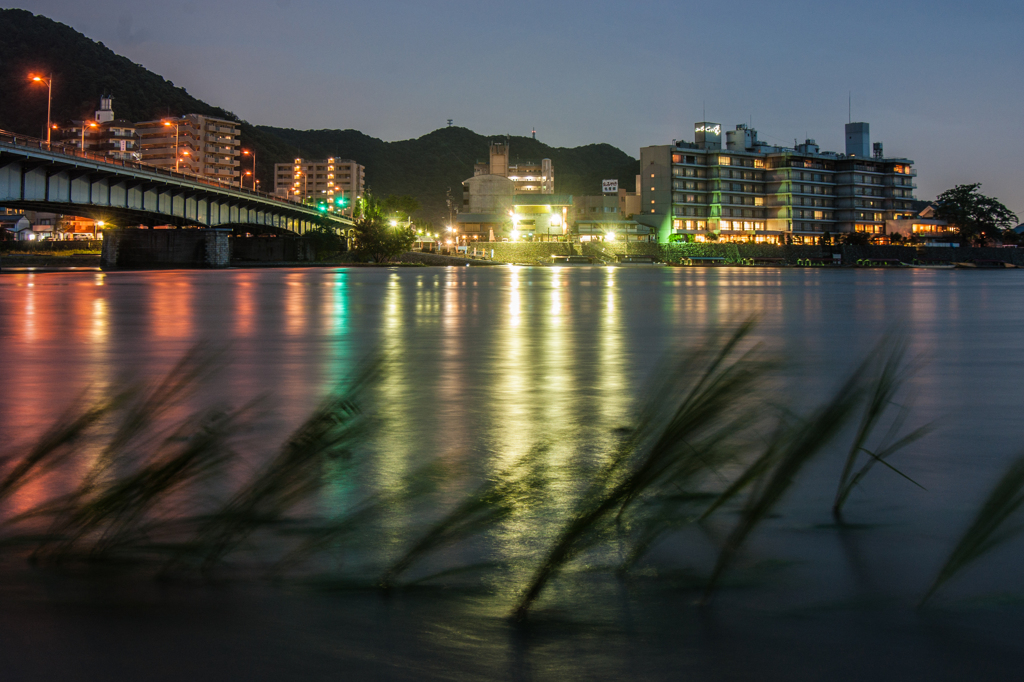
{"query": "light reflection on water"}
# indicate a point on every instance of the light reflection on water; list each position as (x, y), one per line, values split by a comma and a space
(485, 363)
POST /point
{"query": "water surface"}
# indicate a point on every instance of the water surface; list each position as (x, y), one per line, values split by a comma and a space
(484, 363)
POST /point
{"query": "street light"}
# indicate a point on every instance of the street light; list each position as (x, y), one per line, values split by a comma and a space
(49, 98)
(253, 153)
(175, 124)
(92, 124)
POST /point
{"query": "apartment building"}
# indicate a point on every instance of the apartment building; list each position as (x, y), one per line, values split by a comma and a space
(326, 180)
(753, 191)
(195, 144)
(105, 134)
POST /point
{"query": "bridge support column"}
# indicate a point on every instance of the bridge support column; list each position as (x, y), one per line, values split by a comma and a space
(189, 248)
(111, 244)
(218, 248)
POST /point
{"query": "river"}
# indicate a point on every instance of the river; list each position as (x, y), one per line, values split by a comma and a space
(483, 364)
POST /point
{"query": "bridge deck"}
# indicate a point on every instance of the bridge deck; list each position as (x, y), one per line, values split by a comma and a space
(35, 175)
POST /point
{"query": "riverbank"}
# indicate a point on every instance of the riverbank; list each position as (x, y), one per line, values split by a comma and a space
(737, 254)
(541, 253)
(18, 261)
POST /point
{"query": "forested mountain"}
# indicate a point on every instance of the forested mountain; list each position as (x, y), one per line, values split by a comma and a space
(425, 168)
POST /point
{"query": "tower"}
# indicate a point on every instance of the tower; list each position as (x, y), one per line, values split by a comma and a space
(105, 114)
(858, 140)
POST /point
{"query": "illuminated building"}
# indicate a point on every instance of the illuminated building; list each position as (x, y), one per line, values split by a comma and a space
(114, 138)
(195, 144)
(490, 199)
(753, 191)
(528, 177)
(609, 217)
(541, 217)
(325, 180)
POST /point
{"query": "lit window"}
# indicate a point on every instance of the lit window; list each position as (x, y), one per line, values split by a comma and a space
(819, 215)
(758, 163)
(758, 201)
(652, 175)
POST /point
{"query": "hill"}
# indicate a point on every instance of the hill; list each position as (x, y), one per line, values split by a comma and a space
(425, 168)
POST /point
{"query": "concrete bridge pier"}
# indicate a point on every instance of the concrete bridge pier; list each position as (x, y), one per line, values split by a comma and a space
(185, 248)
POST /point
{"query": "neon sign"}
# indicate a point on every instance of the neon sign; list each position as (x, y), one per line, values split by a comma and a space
(705, 128)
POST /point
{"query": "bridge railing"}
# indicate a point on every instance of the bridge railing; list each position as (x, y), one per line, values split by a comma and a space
(72, 151)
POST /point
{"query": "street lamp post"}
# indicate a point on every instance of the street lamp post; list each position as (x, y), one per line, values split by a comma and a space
(49, 98)
(253, 153)
(92, 124)
(175, 124)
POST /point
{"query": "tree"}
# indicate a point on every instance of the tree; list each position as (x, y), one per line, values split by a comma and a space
(400, 207)
(325, 242)
(856, 239)
(379, 237)
(975, 216)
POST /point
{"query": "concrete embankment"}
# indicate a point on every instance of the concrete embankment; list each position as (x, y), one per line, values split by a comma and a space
(541, 252)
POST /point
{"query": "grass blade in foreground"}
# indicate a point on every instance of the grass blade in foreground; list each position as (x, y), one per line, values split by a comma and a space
(886, 386)
(784, 457)
(509, 491)
(682, 433)
(987, 530)
(333, 430)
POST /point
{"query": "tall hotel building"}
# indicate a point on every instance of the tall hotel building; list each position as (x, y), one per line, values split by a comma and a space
(752, 191)
(195, 144)
(327, 179)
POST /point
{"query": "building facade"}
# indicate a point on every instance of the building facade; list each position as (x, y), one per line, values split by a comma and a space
(325, 180)
(752, 191)
(106, 135)
(195, 144)
(602, 217)
(529, 177)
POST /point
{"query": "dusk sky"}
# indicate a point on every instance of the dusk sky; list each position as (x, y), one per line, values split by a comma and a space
(940, 82)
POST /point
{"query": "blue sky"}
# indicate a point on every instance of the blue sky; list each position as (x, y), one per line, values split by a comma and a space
(940, 82)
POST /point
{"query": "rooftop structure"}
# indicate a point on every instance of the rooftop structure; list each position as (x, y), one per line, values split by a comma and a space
(530, 177)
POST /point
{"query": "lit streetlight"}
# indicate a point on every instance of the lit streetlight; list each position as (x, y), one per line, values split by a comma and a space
(247, 152)
(49, 98)
(175, 124)
(92, 124)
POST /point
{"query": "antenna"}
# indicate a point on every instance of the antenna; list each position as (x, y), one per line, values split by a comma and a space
(850, 105)
(705, 110)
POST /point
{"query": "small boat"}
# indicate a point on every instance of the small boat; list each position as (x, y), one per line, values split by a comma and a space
(929, 266)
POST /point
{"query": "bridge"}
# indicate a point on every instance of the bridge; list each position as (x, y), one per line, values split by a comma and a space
(37, 176)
